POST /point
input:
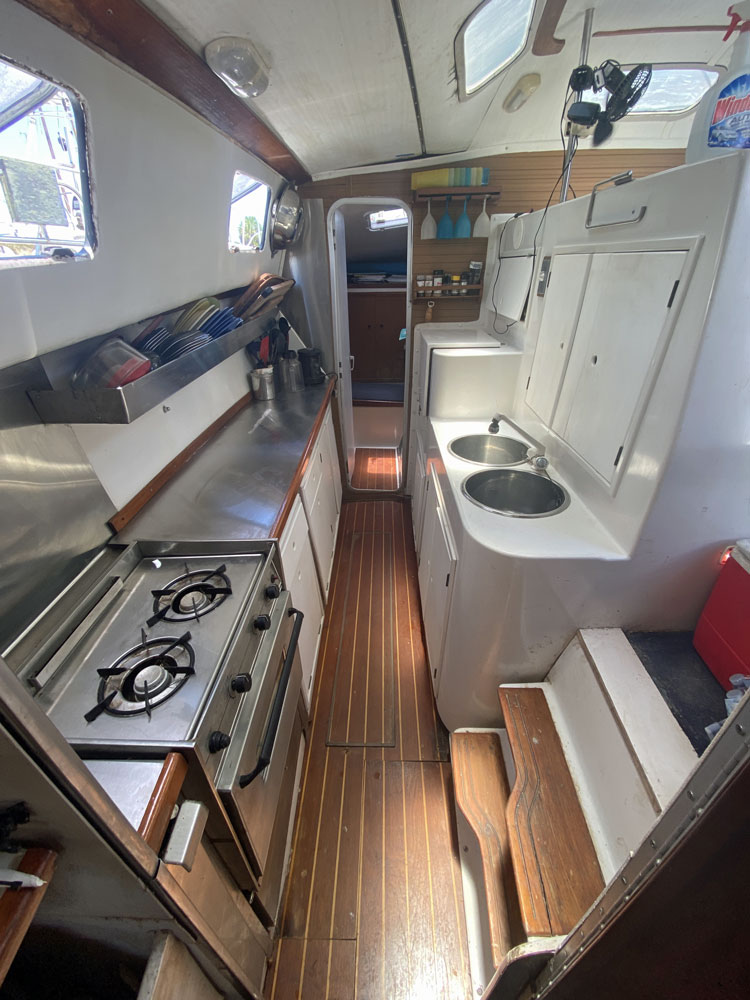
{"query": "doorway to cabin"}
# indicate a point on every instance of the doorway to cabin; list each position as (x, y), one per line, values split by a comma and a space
(370, 248)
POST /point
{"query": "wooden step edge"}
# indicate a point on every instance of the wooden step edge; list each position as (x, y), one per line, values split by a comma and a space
(521, 965)
(556, 867)
(660, 750)
(481, 791)
(18, 906)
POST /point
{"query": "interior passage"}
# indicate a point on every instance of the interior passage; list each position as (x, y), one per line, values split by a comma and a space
(374, 904)
(376, 469)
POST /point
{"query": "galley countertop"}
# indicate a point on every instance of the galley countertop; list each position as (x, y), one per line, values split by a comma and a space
(572, 533)
(240, 485)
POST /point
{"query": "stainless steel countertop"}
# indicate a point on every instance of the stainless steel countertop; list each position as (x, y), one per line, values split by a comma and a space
(234, 487)
(129, 783)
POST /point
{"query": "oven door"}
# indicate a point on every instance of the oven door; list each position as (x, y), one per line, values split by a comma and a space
(251, 775)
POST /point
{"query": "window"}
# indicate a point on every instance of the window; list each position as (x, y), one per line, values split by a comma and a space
(672, 90)
(490, 39)
(389, 218)
(247, 213)
(45, 209)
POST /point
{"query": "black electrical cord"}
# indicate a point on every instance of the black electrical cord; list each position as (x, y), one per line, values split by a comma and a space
(574, 147)
(541, 221)
(500, 333)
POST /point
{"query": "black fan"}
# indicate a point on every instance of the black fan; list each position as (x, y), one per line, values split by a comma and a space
(625, 90)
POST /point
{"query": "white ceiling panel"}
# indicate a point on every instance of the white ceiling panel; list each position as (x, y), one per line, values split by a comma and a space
(537, 124)
(339, 95)
(339, 92)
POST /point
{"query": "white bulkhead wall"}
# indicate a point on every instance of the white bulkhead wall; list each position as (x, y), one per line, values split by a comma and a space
(162, 180)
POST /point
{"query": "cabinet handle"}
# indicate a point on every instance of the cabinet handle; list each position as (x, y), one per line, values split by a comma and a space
(617, 180)
(187, 831)
(266, 751)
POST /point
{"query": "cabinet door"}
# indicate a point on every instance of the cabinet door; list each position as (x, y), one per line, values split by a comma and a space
(443, 562)
(622, 334)
(301, 579)
(562, 304)
(329, 437)
(418, 500)
(322, 518)
(429, 524)
(436, 575)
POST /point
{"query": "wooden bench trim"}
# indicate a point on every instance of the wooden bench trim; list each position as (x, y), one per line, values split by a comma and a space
(556, 867)
(481, 789)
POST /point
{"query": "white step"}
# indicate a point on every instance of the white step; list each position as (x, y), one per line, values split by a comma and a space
(659, 744)
(625, 750)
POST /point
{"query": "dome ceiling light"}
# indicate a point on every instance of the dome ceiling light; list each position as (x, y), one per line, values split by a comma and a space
(521, 92)
(238, 63)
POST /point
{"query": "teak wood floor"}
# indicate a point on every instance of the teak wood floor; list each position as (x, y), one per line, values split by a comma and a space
(374, 903)
(376, 469)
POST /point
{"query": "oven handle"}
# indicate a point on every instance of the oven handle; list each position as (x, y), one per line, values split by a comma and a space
(273, 723)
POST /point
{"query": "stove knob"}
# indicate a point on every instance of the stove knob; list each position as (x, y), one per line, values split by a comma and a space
(273, 591)
(262, 623)
(241, 683)
(218, 741)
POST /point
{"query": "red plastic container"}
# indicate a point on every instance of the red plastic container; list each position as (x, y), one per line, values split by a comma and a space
(723, 634)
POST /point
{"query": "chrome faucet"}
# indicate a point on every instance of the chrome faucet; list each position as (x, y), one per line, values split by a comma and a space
(536, 455)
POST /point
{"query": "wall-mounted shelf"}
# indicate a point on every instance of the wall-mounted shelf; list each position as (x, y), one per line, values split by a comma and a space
(126, 404)
(440, 194)
(456, 240)
(446, 294)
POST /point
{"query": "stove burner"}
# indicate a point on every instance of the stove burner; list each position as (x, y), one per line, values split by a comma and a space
(144, 677)
(191, 595)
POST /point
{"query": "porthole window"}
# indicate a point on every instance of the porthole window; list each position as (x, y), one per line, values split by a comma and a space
(672, 90)
(248, 213)
(45, 206)
(490, 38)
(389, 218)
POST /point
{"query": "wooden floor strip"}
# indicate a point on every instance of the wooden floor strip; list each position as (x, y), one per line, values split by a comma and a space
(365, 666)
(376, 469)
(374, 884)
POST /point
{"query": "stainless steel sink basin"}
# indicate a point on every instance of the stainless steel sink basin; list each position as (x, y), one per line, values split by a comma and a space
(489, 449)
(515, 493)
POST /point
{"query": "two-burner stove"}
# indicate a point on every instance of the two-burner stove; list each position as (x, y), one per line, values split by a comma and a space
(170, 656)
(193, 650)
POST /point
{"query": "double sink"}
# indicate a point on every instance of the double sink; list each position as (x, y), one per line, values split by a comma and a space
(502, 489)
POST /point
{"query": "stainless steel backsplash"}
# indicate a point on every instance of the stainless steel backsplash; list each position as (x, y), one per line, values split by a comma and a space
(53, 509)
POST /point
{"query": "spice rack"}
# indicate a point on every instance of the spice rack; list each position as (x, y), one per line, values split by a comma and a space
(446, 292)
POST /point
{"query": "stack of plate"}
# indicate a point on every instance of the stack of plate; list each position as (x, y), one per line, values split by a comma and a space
(177, 346)
(154, 341)
(196, 315)
(221, 322)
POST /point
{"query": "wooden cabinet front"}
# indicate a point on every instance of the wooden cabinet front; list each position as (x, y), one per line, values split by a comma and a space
(376, 318)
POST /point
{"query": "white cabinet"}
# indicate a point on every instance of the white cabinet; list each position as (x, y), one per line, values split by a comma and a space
(421, 488)
(621, 337)
(328, 437)
(562, 305)
(319, 498)
(301, 579)
(437, 570)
